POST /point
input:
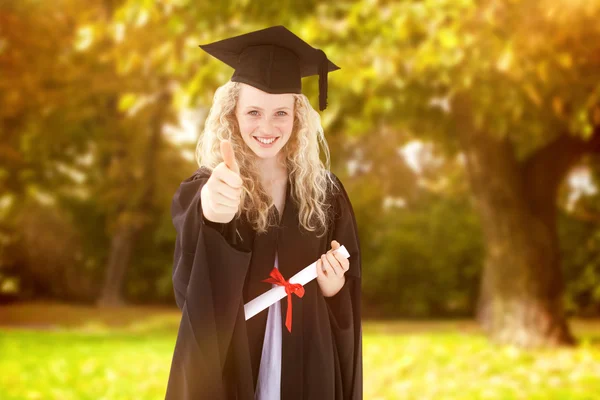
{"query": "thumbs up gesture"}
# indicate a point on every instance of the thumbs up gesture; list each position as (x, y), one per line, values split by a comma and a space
(220, 196)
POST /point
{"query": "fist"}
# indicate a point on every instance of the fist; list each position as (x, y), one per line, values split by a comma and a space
(220, 196)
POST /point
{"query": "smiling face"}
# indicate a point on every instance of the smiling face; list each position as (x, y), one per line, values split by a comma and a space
(266, 120)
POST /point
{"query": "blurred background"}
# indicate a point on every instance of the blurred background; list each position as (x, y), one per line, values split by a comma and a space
(467, 134)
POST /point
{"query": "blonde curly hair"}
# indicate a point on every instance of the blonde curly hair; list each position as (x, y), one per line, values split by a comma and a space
(308, 175)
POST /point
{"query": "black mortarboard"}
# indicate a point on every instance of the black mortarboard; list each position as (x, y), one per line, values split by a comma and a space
(273, 60)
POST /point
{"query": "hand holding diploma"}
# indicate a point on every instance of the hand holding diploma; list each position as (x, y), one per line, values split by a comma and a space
(331, 268)
(306, 275)
(221, 195)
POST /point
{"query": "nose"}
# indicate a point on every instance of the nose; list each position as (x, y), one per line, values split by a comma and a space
(266, 126)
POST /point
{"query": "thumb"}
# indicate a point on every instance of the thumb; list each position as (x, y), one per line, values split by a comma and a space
(229, 156)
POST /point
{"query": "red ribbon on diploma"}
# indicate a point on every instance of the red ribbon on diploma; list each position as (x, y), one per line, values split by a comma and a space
(290, 288)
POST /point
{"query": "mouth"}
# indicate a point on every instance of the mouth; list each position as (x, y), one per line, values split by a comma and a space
(266, 141)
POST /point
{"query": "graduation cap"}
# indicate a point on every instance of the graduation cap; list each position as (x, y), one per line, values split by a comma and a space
(273, 60)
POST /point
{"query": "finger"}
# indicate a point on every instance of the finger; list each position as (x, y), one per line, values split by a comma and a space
(229, 156)
(223, 208)
(335, 245)
(227, 191)
(343, 261)
(328, 267)
(226, 201)
(220, 204)
(320, 272)
(227, 176)
(337, 268)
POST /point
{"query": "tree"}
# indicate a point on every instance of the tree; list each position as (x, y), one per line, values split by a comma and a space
(511, 85)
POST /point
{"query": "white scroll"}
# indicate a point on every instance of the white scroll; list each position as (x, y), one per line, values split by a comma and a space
(277, 293)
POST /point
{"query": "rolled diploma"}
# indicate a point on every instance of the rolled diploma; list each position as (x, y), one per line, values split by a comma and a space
(277, 293)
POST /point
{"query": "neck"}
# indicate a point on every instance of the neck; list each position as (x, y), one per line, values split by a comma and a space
(272, 170)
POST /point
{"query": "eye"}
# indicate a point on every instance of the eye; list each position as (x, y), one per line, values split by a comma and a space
(283, 113)
(253, 111)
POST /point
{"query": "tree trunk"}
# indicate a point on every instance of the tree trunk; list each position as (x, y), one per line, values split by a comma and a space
(120, 254)
(521, 293)
(125, 238)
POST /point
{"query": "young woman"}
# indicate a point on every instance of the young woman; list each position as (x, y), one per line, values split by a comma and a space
(261, 202)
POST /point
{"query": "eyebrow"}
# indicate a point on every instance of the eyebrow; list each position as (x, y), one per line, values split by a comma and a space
(277, 109)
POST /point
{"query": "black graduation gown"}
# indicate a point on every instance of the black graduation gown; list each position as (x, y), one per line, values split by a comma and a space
(219, 267)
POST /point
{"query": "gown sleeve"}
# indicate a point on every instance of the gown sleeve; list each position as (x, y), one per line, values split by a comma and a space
(345, 306)
(209, 271)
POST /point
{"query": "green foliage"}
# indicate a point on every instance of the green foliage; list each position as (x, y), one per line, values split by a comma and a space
(427, 260)
(579, 232)
(581, 265)
(517, 61)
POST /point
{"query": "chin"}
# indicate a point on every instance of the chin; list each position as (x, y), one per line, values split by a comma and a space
(270, 153)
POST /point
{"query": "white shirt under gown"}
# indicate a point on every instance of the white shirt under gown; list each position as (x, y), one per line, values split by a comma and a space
(269, 373)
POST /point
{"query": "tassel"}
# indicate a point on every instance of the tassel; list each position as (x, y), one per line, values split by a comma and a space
(323, 71)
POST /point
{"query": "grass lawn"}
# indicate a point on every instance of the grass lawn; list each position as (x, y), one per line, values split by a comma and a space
(66, 352)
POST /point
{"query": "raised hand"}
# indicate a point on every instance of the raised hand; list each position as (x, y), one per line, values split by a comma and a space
(221, 195)
(331, 268)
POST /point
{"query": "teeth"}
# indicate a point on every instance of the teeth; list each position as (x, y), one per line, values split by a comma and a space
(265, 141)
